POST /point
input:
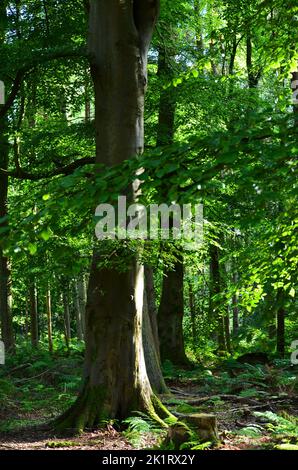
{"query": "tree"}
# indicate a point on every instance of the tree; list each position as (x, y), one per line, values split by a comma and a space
(115, 377)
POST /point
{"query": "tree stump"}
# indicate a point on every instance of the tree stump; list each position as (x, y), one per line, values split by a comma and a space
(199, 426)
(204, 425)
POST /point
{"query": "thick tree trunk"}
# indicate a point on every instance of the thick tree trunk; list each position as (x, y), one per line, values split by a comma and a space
(67, 328)
(115, 380)
(33, 315)
(170, 317)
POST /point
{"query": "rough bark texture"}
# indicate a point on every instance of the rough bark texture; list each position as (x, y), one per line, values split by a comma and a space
(150, 336)
(170, 317)
(115, 380)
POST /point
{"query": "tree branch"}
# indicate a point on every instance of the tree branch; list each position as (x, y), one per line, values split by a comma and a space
(28, 68)
(21, 174)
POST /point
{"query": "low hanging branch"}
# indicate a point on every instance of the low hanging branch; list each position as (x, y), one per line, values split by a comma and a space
(30, 66)
(66, 170)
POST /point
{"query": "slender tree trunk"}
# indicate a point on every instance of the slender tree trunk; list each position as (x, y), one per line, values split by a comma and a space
(115, 379)
(215, 291)
(150, 337)
(49, 318)
(5, 287)
(152, 307)
(192, 310)
(280, 324)
(82, 299)
(33, 315)
(170, 313)
(77, 309)
(253, 77)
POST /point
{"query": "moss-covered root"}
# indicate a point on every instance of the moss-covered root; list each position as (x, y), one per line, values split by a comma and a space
(84, 413)
(92, 407)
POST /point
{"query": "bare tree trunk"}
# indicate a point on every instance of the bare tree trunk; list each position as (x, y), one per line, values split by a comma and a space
(170, 317)
(5, 311)
(77, 309)
(152, 307)
(280, 324)
(215, 291)
(33, 315)
(192, 310)
(150, 340)
(49, 318)
(115, 379)
(82, 299)
(65, 297)
(235, 308)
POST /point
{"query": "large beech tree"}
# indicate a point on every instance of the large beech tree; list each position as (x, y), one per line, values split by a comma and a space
(115, 378)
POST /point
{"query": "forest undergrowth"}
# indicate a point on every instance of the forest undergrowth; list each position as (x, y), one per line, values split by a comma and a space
(255, 404)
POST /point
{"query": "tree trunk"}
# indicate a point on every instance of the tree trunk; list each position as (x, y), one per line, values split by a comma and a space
(235, 308)
(171, 334)
(192, 310)
(5, 311)
(81, 289)
(65, 297)
(33, 315)
(170, 317)
(280, 324)
(115, 379)
(49, 318)
(253, 77)
(150, 339)
(77, 309)
(215, 291)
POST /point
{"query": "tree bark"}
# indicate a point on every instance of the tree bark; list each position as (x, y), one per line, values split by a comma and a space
(150, 336)
(65, 297)
(78, 311)
(115, 379)
(280, 324)
(192, 310)
(33, 315)
(82, 298)
(49, 318)
(215, 291)
(5, 311)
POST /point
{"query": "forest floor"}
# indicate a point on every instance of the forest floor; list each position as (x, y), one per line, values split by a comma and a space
(256, 405)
